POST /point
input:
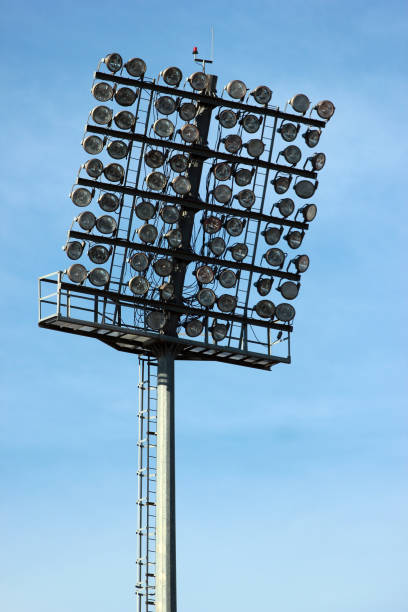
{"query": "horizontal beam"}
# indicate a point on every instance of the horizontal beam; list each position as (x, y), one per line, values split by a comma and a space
(200, 151)
(209, 100)
(190, 203)
(167, 306)
(180, 254)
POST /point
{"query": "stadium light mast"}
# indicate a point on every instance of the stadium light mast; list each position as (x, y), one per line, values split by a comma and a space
(197, 186)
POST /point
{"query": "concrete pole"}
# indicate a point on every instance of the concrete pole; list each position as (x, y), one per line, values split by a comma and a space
(166, 596)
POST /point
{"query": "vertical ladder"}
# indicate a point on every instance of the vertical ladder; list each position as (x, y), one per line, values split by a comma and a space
(146, 476)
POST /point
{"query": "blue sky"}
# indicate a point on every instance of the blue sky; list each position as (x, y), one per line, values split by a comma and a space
(291, 485)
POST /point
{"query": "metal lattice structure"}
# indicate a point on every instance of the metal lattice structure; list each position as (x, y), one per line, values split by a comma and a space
(115, 315)
(195, 235)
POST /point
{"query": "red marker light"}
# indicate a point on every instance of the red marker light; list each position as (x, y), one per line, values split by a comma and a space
(195, 50)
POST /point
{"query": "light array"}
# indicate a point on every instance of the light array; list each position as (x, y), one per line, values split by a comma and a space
(187, 213)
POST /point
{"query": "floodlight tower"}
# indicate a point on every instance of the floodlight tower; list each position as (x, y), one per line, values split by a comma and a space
(157, 297)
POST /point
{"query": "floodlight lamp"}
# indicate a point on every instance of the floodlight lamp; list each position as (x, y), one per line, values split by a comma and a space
(285, 312)
(265, 309)
(156, 181)
(239, 251)
(305, 189)
(163, 267)
(325, 109)
(106, 224)
(217, 246)
(212, 224)
(227, 278)
(124, 120)
(81, 197)
(289, 290)
(170, 214)
(145, 210)
(114, 173)
(302, 263)
(174, 238)
(262, 94)
(126, 96)
(318, 161)
(99, 277)
(156, 320)
(163, 128)
(222, 193)
(272, 234)
(199, 81)
(117, 149)
(227, 118)
(139, 262)
(275, 257)
(187, 111)
(288, 131)
(181, 185)
(250, 123)
(204, 275)
(246, 197)
(218, 331)
(292, 154)
(294, 239)
(86, 220)
(136, 67)
(243, 177)
(154, 158)
(206, 297)
(109, 202)
(172, 76)
(234, 226)
(300, 103)
(232, 143)
(77, 273)
(102, 115)
(147, 233)
(255, 147)
(286, 206)
(312, 137)
(189, 133)
(166, 291)
(102, 92)
(193, 328)
(113, 62)
(236, 89)
(222, 171)
(227, 303)
(93, 145)
(99, 254)
(263, 286)
(309, 212)
(281, 183)
(179, 163)
(93, 167)
(74, 249)
(165, 105)
(139, 285)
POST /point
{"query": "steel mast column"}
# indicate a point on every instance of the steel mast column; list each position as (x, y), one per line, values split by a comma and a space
(166, 596)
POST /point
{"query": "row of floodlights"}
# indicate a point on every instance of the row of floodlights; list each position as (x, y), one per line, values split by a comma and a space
(199, 81)
(233, 143)
(156, 319)
(148, 234)
(226, 303)
(166, 105)
(145, 210)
